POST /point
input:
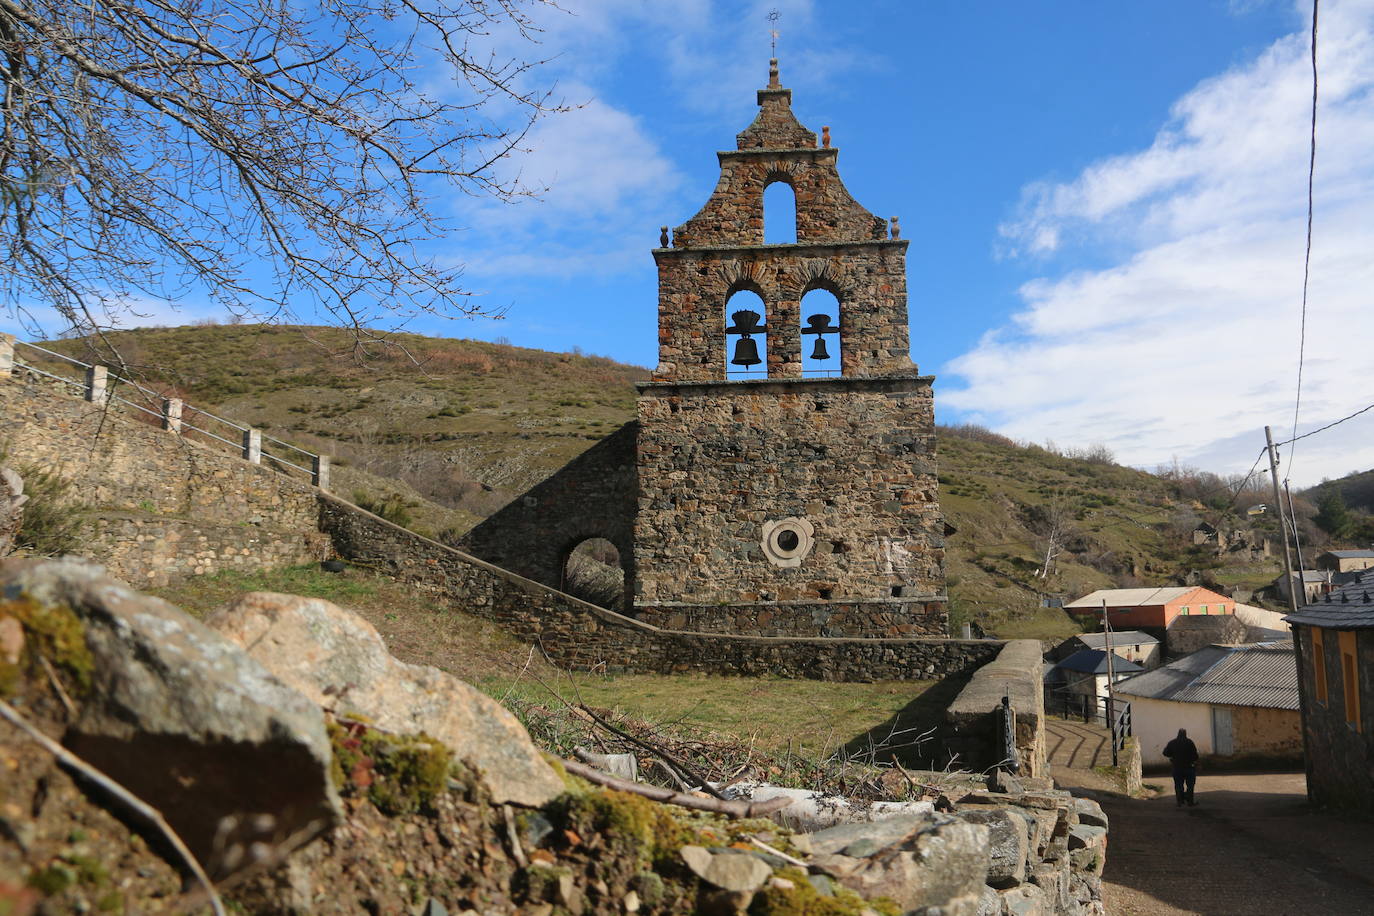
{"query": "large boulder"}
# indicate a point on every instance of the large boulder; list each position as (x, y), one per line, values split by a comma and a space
(12, 501)
(929, 863)
(236, 761)
(339, 660)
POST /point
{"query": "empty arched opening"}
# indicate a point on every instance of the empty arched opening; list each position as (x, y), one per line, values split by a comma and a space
(593, 573)
(820, 331)
(779, 214)
(746, 336)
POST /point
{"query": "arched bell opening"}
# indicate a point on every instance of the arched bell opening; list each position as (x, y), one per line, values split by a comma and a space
(746, 336)
(820, 334)
(779, 212)
(592, 571)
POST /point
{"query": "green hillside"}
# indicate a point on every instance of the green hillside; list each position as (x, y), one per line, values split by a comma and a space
(442, 432)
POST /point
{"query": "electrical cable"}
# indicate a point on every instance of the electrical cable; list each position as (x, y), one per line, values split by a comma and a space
(1322, 429)
(1307, 256)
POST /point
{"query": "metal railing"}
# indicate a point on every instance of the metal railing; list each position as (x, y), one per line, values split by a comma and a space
(101, 385)
(1108, 712)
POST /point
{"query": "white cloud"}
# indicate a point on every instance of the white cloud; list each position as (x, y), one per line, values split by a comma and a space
(1187, 346)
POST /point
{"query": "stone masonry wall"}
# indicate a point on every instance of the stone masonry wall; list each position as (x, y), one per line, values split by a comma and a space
(855, 458)
(584, 636)
(892, 618)
(594, 495)
(975, 717)
(1338, 756)
(161, 507)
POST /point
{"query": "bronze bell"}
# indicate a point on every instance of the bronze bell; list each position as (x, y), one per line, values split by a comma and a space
(820, 352)
(746, 353)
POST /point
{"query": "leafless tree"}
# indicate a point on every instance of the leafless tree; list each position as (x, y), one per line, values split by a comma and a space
(280, 156)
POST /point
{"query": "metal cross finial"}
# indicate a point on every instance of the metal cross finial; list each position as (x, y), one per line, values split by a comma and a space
(773, 17)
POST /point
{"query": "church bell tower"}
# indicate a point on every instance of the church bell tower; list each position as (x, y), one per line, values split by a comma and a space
(785, 453)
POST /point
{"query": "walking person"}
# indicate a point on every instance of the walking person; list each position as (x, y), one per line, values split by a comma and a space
(1182, 753)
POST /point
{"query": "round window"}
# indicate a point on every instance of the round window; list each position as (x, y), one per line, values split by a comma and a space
(787, 541)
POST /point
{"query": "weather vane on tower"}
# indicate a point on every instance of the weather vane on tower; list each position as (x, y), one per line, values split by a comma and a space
(773, 17)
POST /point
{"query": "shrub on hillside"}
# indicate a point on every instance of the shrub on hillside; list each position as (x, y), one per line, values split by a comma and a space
(53, 520)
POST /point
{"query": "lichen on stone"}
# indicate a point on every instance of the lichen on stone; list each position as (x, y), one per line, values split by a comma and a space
(52, 631)
(399, 774)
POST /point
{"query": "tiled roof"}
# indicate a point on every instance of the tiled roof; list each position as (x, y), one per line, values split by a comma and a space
(1260, 674)
(1119, 638)
(1132, 597)
(1345, 607)
(1350, 554)
(1094, 661)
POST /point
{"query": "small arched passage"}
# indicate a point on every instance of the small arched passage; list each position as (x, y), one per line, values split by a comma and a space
(820, 333)
(779, 213)
(746, 336)
(594, 572)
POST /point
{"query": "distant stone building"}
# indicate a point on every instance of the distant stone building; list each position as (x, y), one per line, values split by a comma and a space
(1335, 640)
(1344, 561)
(1132, 645)
(778, 502)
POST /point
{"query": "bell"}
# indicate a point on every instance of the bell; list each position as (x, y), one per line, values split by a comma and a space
(820, 352)
(746, 353)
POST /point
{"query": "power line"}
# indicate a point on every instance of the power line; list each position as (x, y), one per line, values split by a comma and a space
(1322, 429)
(1307, 256)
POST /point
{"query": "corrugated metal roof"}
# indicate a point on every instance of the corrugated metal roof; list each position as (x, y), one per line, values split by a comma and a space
(1261, 674)
(1345, 607)
(1119, 638)
(1132, 597)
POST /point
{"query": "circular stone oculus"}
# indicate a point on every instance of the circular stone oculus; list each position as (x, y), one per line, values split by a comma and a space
(787, 541)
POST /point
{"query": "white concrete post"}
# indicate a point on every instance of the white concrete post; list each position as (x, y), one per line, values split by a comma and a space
(96, 379)
(171, 414)
(252, 446)
(6, 355)
(319, 471)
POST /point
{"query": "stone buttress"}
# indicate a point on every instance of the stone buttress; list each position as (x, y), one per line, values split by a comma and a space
(778, 503)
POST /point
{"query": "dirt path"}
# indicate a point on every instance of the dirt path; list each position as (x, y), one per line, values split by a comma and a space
(1251, 847)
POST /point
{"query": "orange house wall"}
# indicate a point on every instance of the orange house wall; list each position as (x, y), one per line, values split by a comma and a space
(1160, 616)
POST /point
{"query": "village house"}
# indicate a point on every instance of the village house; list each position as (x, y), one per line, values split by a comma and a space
(1153, 608)
(1344, 561)
(1187, 635)
(1234, 701)
(1085, 673)
(1335, 639)
(1315, 583)
(1132, 645)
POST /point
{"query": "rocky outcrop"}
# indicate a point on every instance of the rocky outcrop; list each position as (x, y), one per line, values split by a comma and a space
(339, 661)
(236, 761)
(12, 501)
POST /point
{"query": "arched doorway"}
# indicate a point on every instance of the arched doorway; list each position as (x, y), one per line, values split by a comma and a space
(593, 572)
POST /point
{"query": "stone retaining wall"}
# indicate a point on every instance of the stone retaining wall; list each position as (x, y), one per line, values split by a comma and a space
(974, 719)
(582, 635)
(160, 506)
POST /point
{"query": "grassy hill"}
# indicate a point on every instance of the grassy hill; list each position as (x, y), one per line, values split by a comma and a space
(443, 432)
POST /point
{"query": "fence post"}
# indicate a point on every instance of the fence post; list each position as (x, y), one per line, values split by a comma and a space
(252, 446)
(96, 379)
(319, 471)
(6, 355)
(171, 414)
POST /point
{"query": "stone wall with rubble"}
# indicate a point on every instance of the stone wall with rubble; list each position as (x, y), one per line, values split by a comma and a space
(852, 458)
(159, 506)
(584, 636)
(593, 496)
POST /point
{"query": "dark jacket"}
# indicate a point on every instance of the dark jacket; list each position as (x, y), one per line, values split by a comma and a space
(1182, 752)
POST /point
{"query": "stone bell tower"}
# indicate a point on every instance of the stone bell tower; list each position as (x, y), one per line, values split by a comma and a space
(778, 503)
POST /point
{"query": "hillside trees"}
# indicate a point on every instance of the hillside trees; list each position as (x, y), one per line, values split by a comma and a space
(274, 156)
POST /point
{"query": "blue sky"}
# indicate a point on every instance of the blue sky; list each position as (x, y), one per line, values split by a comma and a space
(1105, 201)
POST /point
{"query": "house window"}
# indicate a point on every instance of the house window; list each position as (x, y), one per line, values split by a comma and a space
(1319, 663)
(1185, 609)
(1350, 672)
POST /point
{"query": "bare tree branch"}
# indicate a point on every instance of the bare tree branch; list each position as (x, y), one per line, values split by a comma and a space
(278, 157)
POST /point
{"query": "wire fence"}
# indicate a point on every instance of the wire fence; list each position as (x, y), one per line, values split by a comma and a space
(193, 422)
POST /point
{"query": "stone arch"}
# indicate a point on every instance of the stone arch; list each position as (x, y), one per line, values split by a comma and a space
(821, 317)
(779, 208)
(596, 569)
(744, 296)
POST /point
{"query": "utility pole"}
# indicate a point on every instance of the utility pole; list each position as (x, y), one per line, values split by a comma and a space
(1283, 524)
(1111, 678)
